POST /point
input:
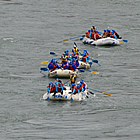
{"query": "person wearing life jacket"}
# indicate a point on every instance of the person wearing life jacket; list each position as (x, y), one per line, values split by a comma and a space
(74, 55)
(53, 88)
(72, 66)
(96, 35)
(53, 65)
(91, 33)
(104, 34)
(80, 88)
(65, 66)
(75, 49)
(84, 58)
(93, 27)
(73, 78)
(56, 83)
(49, 87)
(74, 89)
(64, 57)
(114, 34)
(67, 54)
(60, 86)
(87, 33)
(108, 33)
(83, 84)
(76, 63)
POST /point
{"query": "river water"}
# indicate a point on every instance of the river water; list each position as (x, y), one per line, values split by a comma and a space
(29, 30)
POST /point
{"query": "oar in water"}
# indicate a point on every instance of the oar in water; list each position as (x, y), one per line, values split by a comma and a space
(73, 38)
(101, 92)
(82, 69)
(94, 72)
(95, 61)
(53, 53)
(124, 41)
(44, 69)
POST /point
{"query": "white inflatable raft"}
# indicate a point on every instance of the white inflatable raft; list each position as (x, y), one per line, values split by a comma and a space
(102, 42)
(84, 64)
(57, 73)
(66, 96)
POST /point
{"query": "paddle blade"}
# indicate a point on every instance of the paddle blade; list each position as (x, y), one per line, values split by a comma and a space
(106, 93)
(52, 53)
(125, 41)
(44, 69)
(95, 61)
(42, 63)
(66, 39)
(94, 72)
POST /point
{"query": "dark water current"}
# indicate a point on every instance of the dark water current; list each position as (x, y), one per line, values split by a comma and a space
(29, 30)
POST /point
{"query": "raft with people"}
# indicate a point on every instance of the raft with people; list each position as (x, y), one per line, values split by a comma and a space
(69, 92)
(77, 61)
(107, 38)
(60, 73)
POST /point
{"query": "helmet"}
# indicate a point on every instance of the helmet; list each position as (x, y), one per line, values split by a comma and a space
(50, 83)
(113, 31)
(104, 30)
(85, 50)
(81, 81)
(92, 30)
(97, 31)
(88, 30)
(57, 78)
(64, 53)
(53, 60)
(108, 30)
(65, 62)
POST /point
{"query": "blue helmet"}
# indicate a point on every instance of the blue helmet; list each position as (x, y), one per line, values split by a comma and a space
(50, 83)
(57, 78)
(113, 31)
(97, 31)
(89, 30)
(53, 60)
(81, 81)
(104, 30)
(65, 62)
(73, 84)
(108, 30)
(85, 50)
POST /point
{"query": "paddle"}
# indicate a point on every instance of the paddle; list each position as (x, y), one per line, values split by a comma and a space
(94, 72)
(124, 41)
(66, 82)
(82, 70)
(42, 63)
(95, 61)
(44, 69)
(91, 92)
(73, 38)
(101, 92)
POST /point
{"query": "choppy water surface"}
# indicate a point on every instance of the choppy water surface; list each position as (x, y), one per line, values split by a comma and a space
(29, 30)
